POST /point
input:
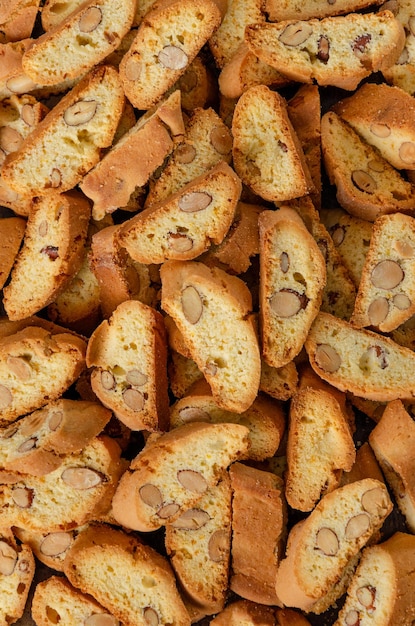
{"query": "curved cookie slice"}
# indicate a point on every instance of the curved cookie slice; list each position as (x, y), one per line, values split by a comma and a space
(184, 225)
(203, 302)
(322, 545)
(167, 41)
(80, 41)
(173, 471)
(37, 367)
(292, 279)
(360, 361)
(338, 51)
(127, 577)
(17, 570)
(267, 154)
(51, 253)
(386, 295)
(67, 143)
(367, 185)
(128, 357)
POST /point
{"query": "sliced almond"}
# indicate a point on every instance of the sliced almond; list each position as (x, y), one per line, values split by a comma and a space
(192, 519)
(380, 130)
(179, 242)
(81, 477)
(295, 34)
(55, 178)
(55, 420)
(366, 596)
(136, 377)
(20, 84)
(173, 58)
(28, 114)
(168, 510)
(284, 262)
(134, 399)
(221, 140)
(327, 358)
(387, 274)
(90, 20)
(194, 201)
(218, 545)
(27, 445)
(364, 181)
(6, 397)
(8, 559)
(352, 618)
(374, 501)
(185, 153)
(107, 380)
(323, 49)
(327, 541)
(192, 481)
(287, 302)
(55, 544)
(192, 304)
(10, 139)
(22, 497)
(405, 249)
(378, 311)
(194, 414)
(407, 152)
(357, 526)
(19, 367)
(80, 113)
(401, 301)
(151, 616)
(133, 68)
(151, 495)
(101, 619)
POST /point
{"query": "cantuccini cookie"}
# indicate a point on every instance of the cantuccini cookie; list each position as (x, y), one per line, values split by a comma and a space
(17, 570)
(278, 10)
(12, 231)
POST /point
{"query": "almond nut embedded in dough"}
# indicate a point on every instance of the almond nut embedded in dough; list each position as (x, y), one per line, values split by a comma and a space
(366, 596)
(19, 367)
(376, 166)
(378, 311)
(55, 178)
(295, 34)
(55, 544)
(357, 526)
(374, 501)
(55, 420)
(185, 153)
(90, 20)
(28, 114)
(323, 52)
(192, 481)
(287, 302)
(27, 445)
(401, 301)
(20, 84)
(192, 304)
(179, 243)
(284, 262)
(151, 495)
(134, 399)
(8, 559)
(6, 397)
(101, 619)
(133, 68)
(151, 616)
(217, 545)
(10, 139)
(221, 140)
(173, 58)
(194, 414)
(352, 618)
(380, 130)
(192, 519)
(107, 380)
(327, 541)
(407, 152)
(81, 112)
(364, 181)
(168, 510)
(81, 477)
(387, 274)
(194, 201)
(136, 378)
(22, 497)
(327, 358)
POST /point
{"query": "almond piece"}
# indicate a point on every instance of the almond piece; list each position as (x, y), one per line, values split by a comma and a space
(327, 541)
(8, 559)
(55, 543)
(192, 519)
(192, 481)
(387, 274)
(80, 113)
(327, 358)
(134, 399)
(90, 20)
(192, 304)
(151, 495)
(81, 477)
(217, 545)
(173, 58)
(295, 34)
(357, 526)
(194, 201)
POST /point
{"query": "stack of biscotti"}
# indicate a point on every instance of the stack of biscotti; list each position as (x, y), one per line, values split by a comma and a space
(207, 329)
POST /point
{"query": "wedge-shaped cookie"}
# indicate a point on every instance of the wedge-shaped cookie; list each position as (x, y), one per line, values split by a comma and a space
(37, 443)
(56, 598)
(292, 279)
(360, 361)
(36, 367)
(16, 576)
(384, 116)
(199, 545)
(280, 10)
(338, 51)
(82, 40)
(322, 545)
(257, 502)
(167, 41)
(184, 225)
(392, 441)
(386, 295)
(97, 564)
(51, 253)
(382, 585)
(202, 302)
(319, 447)
(174, 470)
(207, 141)
(264, 418)
(267, 154)
(134, 157)
(67, 143)
(367, 186)
(78, 491)
(128, 354)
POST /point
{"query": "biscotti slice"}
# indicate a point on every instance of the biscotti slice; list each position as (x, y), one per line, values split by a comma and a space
(79, 42)
(267, 154)
(130, 579)
(202, 301)
(12, 230)
(351, 236)
(17, 570)
(19, 115)
(292, 279)
(361, 361)
(367, 186)
(51, 253)
(199, 546)
(36, 367)
(385, 298)
(382, 586)
(365, 466)
(168, 39)
(134, 157)
(402, 73)
(184, 225)
(207, 141)
(55, 600)
(87, 116)
(278, 11)
(392, 441)
(339, 51)
(257, 502)
(264, 418)
(128, 357)
(322, 545)
(36, 444)
(279, 382)
(246, 613)
(20, 21)
(244, 70)
(183, 372)
(319, 447)
(119, 277)
(78, 491)
(174, 470)
(384, 116)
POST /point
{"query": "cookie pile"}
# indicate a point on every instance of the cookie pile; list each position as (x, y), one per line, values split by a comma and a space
(207, 278)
